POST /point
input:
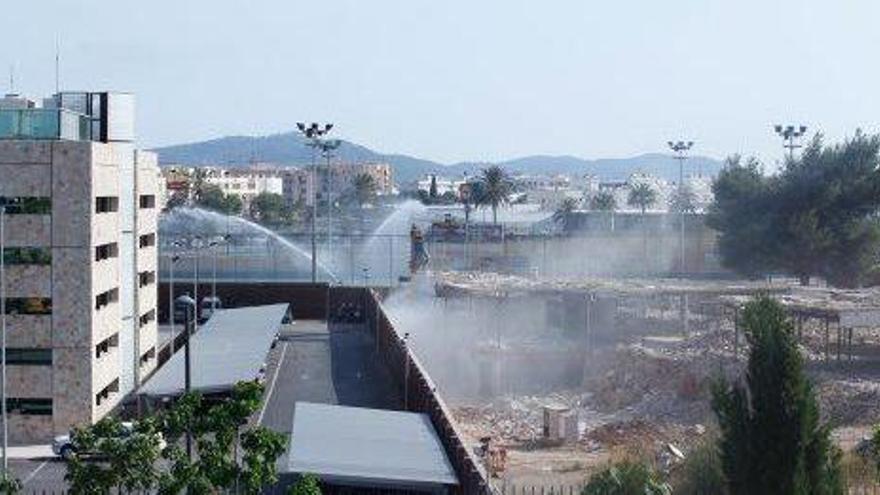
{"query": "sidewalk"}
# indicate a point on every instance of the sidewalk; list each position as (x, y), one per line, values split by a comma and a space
(30, 451)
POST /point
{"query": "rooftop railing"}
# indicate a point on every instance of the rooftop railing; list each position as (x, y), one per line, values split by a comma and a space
(43, 123)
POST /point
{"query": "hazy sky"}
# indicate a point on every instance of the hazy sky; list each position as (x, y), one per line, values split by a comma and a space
(457, 80)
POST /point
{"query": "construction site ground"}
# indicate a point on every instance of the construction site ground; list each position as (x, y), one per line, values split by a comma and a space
(649, 395)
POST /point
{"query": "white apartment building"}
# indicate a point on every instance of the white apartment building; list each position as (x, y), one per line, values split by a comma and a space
(245, 183)
(81, 226)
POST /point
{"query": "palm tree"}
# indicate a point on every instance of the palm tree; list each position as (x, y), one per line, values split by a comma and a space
(197, 182)
(642, 196)
(605, 201)
(496, 187)
(564, 213)
(364, 188)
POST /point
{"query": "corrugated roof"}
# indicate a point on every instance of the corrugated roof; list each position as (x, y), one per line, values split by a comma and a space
(367, 447)
(229, 348)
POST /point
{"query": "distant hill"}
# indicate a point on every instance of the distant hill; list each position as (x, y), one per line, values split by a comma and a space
(289, 149)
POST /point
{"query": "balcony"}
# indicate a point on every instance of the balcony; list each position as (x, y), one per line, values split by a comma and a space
(43, 123)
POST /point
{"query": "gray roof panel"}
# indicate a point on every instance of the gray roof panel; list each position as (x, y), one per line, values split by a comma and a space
(229, 348)
(367, 446)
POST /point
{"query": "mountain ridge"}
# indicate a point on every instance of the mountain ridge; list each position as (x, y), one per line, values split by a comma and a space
(289, 149)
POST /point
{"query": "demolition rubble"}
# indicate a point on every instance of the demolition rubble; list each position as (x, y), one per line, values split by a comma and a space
(641, 357)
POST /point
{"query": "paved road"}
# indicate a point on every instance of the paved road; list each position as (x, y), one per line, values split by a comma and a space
(318, 365)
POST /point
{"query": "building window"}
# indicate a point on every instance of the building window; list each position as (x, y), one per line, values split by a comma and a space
(146, 278)
(105, 345)
(147, 201)
(29, 357)
(147, 240)
(106, 391)
(28, 306)
(105, 298)
(27, 256)
(106, 251)
(106, 204)
(147, 317)
(27, 205)
(148, 356)
(30, 407)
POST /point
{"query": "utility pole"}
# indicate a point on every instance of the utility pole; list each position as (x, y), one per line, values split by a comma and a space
(680, 148)
(3, 352)
(790, 134)
(313, 134)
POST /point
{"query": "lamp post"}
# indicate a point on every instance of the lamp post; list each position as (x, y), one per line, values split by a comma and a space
(680, 148)
(790, 134)
(3, 352)
(171, 260)
(313, 134)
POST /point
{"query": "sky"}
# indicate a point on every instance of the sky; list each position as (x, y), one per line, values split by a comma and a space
(467, 80)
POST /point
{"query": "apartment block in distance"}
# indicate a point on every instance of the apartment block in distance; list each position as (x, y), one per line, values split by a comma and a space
(81, 226)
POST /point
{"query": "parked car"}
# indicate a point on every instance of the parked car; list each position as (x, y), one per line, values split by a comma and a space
(209, 305)
(64, 447)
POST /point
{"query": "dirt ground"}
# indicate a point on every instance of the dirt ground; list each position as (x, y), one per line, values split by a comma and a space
(650, 396)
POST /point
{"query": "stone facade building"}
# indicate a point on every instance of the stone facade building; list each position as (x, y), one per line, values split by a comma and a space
(80, 259)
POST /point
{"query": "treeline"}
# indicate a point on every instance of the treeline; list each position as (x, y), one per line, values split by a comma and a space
(815, 217)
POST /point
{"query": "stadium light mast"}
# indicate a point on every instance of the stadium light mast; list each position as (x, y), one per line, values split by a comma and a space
(790, 137)
(314, 133)
(680, 148)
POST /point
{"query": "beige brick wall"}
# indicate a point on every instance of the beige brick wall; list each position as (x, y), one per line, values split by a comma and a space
(29, 281)
(72, 299)
(29, 331)
(30, 179)
(72, 387)
(25, 152)
(28, 230)
(29, 381)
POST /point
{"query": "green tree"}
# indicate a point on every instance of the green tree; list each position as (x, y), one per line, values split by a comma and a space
(604, 201)
(771, 439)
(701, 473)
(135, 462)
(642, 196)
(742, 213)
(432, 190)
(267, 208)
(816, 217)
(364, 187)
(495, 189)
(213, 198)
(565, 213)
(307, 484)
(626, 478)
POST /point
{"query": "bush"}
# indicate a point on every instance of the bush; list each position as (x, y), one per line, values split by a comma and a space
(701, 473)
(627, 478)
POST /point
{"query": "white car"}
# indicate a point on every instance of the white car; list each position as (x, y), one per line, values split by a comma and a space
(63, 446)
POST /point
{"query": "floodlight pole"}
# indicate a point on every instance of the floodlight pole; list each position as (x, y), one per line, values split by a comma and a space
(680, 148)
(313, 133)
(790, 134)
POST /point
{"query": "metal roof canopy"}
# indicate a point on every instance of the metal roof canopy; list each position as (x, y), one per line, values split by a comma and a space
(368, 447)
(229, 348)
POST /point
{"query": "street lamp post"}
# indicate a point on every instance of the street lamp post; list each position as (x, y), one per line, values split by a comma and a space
(313, 133)
(171, 260)
(3, 352)
(790, 134)
(680, 148)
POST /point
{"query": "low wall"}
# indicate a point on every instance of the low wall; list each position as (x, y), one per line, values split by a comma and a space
(420, 396)
(308, 301)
